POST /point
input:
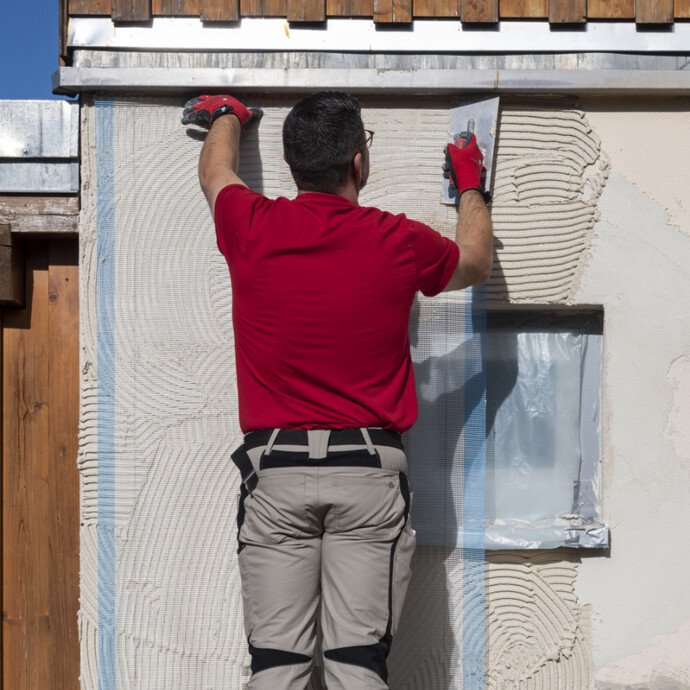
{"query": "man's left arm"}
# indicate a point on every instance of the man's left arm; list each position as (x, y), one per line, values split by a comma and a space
(220, 154)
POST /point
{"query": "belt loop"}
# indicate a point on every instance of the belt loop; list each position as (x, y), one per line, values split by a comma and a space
(271, 441)
(367, 440)
(317, 440)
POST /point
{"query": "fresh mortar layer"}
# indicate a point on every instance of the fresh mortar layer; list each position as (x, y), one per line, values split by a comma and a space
(175, 404)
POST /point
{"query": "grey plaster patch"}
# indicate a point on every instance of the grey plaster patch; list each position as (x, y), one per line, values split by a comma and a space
(639, 271)
(664, 665)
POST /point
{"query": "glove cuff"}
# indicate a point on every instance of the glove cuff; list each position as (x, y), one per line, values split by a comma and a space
(225, 110)
(486, 195)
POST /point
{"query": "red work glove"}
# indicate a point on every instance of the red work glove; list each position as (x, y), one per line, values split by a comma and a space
(205, 110)
(464, 164)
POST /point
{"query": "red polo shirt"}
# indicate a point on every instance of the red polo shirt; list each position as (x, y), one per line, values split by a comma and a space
(321, 297)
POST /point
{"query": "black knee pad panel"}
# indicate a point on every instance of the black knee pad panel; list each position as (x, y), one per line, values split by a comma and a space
(263, 659)
(371, 656)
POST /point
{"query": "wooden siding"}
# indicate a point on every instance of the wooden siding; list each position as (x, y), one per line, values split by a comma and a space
(436, 8)
(567, 11)
(391, 11)
(524, 9)
(482, 11)
(350, 8)
(175, 8)
(92, 7)
(63, 13)
(263, 8)
(220, 10)
(306, 10)
(611, 9)
(131, 10)
(653, 11)
(15, 207)
(682, 9)
(40, 478)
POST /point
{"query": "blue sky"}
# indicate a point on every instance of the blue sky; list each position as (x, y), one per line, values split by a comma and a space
(28, 47)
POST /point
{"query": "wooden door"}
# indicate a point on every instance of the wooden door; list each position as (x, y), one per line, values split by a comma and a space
(40, 480)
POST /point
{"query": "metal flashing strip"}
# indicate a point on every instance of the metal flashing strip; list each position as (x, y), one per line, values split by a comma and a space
(73, 80)
(294, 59)
(190, 33)
(39, 147)
(39, 129)
(47, 177)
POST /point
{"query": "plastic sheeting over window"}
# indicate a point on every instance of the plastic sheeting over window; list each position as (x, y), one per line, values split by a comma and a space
(538, 377)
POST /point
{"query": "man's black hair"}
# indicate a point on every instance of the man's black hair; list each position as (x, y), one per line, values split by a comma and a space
(321, 136)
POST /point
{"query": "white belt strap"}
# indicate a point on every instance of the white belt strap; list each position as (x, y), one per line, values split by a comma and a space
(367, 440)
(271, 441)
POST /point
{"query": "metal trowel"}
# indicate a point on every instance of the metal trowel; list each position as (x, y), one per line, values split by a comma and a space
(480, 118)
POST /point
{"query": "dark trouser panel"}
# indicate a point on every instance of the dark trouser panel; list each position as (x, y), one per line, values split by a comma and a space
(315, 529)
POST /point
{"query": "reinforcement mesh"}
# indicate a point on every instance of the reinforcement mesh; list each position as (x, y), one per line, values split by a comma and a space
(160, 590)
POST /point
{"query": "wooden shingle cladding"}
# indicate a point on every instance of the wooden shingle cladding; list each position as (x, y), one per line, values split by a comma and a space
(263, 8)
(653, 11)
(63, 13)
(306, 10)
(479, 11)
(350, 8)
(131, 10)
(220, 10)
(524, 9)
(437, 8)
(611, 9)
(391, 11)
(567, 11)
(91, 7)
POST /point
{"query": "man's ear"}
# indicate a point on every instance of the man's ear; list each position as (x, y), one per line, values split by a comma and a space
(357, 169)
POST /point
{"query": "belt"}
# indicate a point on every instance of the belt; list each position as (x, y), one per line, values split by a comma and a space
(299, 437)
(338, 437)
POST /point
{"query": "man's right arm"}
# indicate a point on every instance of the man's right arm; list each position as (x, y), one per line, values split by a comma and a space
(474, 237)
(220, 159)
(220, 154)
(473, 233)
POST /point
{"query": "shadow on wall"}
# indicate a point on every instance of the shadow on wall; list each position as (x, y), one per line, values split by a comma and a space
(448, 632)
(426, 649)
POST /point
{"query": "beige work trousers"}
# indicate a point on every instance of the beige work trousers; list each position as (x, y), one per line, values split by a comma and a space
(334, 539)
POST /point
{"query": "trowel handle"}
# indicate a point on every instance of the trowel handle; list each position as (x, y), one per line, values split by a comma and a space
(461, 140)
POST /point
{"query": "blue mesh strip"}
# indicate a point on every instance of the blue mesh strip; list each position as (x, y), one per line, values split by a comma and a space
(105, 362)
(474, 492)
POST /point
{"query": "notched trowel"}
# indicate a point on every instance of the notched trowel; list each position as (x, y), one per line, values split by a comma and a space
(480, 118)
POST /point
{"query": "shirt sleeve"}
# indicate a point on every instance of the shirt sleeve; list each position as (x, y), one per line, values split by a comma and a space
(234, 209)
(436, 257)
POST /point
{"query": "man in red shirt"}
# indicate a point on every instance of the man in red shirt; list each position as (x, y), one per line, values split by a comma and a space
(322, 290)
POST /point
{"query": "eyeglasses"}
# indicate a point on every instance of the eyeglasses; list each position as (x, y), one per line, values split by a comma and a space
(370, 137)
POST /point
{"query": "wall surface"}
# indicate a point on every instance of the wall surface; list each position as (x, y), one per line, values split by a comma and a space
(582, 208)
(639, 269)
